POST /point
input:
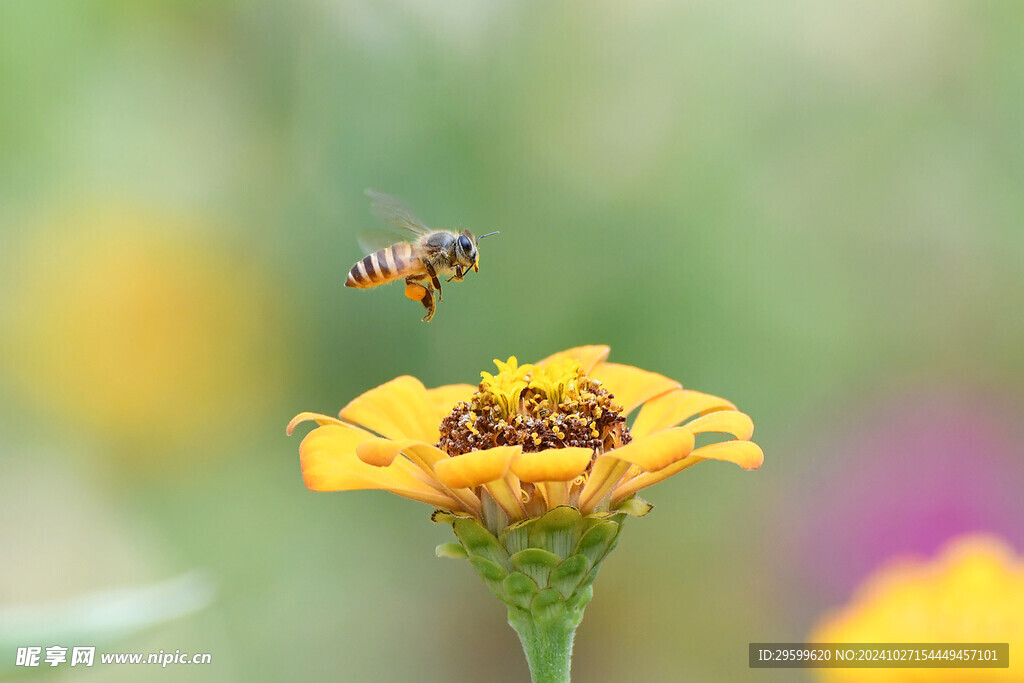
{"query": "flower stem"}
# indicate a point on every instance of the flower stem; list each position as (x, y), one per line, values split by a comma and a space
(546, 642)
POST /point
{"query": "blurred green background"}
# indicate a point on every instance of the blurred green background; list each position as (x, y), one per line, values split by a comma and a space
(813, 209)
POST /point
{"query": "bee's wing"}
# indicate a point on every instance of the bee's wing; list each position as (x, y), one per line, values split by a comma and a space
(392, 210)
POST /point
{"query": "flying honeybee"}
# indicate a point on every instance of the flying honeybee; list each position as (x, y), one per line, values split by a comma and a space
(420, 260)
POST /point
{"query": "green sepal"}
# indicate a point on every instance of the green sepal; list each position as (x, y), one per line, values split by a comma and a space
(598, 540)
(542, 566)
(543, 569)
(452, 550)
(548, 605)
(519, 589)
(492, 574)
(557, 531)
(580, 599)
(479, 542)
(567, 576)
(489, 571)
(442, 517)
(536, 563)
(515, 537)
(635, 507)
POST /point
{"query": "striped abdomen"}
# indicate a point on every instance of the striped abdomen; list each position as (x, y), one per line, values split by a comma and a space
(385, 265)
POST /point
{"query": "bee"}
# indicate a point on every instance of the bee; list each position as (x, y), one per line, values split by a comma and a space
(420, 260)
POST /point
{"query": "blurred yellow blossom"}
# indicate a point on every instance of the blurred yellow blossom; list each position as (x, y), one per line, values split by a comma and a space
(973, 592)
(124, 322)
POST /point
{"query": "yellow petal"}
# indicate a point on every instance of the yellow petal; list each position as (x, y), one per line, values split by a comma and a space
(508, 494)
(588, 356)
(725, 422)
(320, 420)
(746, 454)
(329, 463)
(446, 397)
(476, 467)
(341, 438)
(399, 409)
(670, 409)
(656, 451)
(382, 452)
(632, 386)
(555, 493)
(650, 454)
(333, 447)
(553, 464)
(605, 474)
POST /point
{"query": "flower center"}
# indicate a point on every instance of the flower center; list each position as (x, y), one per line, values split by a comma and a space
(537, 408)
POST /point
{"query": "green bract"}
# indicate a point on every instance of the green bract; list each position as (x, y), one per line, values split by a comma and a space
(543, 569)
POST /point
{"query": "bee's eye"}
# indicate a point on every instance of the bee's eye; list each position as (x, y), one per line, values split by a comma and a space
(466, 245)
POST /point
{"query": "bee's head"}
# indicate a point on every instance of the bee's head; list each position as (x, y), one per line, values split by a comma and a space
(465, 250)
(466, 244)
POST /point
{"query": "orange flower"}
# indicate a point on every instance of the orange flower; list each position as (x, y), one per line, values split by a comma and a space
(527, 440)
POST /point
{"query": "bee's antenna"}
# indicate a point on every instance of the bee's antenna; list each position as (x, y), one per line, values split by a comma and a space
(487, 235)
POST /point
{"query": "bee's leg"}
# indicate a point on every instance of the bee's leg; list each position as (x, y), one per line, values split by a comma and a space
(420, 292)
(433, 279)
(428, 301)
(458, 274)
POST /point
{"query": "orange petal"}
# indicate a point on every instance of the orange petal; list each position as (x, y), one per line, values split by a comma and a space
(329, 463)
(632, 386)
(446, 397)
(746, 454)
(476, 467)
(588, 356)
(725, 422)
(670, 409)
(399, 409)
(553, 464)
(320, 420)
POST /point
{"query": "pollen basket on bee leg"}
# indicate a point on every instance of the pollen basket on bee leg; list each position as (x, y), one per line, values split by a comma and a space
(415, 292)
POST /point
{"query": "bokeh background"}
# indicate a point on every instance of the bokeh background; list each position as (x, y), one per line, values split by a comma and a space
(813, 209)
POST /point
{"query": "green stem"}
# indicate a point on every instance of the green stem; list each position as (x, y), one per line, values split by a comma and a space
(546, 642)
